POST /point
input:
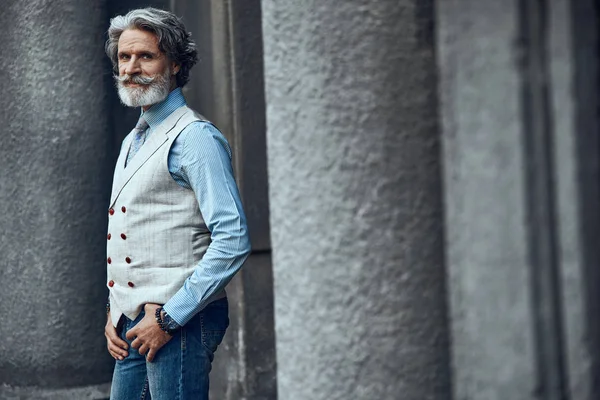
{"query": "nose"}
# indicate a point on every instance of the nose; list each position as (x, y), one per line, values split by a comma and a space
(132, 66)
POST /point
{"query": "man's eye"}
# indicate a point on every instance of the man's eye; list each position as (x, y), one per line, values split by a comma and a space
(147, 56)
(123, 57)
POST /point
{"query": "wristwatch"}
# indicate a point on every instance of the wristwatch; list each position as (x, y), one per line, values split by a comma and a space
(166, 323)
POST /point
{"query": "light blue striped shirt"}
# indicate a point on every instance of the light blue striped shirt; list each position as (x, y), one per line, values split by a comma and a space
(200, 160)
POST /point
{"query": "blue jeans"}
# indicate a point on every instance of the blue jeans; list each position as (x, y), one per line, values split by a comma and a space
(180, 368)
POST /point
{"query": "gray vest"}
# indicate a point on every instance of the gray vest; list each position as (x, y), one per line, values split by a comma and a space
(156, 233)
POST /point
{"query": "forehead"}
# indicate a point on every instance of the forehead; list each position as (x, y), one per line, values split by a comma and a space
(137, 40)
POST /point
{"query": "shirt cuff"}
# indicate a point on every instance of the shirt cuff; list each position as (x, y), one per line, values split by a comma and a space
(182, 307)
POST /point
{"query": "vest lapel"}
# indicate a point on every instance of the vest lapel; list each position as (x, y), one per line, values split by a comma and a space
(118, 174)
(154, 142)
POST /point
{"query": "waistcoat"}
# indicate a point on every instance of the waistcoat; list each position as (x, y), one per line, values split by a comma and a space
(156, 233)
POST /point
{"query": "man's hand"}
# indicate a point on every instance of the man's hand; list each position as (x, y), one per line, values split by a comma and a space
(117, 347)
(146, 335)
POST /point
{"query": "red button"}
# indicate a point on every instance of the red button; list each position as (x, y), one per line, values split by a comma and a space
(111, 283)
(108, 236)
(130, 284)
(128, 260)
(123, 236)
(109, 260)
(111, 211)
(123, 209)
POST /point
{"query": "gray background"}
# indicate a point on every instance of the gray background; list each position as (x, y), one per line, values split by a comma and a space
(426, 174)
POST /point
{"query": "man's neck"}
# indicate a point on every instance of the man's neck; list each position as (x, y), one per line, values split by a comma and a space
(173, 87)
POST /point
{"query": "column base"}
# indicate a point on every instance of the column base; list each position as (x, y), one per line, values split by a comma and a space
(95, 392)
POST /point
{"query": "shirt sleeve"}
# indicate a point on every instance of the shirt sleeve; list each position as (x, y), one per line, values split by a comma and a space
(205, 167)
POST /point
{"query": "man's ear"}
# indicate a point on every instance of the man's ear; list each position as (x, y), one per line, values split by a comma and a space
(175, 69)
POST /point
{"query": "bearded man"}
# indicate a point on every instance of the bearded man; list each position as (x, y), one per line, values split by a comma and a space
(176, 232)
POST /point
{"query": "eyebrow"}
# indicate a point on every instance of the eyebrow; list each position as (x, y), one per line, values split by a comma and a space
(121, 52)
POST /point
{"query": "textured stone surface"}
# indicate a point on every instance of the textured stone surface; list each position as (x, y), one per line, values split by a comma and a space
(259, 334)
(248, 112)
(496, 347)
(96, 392)
(56, 160)
(575, 72)
(355, 200)
(493, 354)
(245, 365)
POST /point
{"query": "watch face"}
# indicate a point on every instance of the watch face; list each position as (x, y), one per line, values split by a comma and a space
(170, 324)
(172, 329)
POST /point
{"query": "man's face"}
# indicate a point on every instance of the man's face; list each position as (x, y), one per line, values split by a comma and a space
(146, 75)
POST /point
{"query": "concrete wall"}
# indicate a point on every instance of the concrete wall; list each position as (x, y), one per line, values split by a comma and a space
(515, 113)
(493, 339)
(56, 156)
(574, 66)
(355, 200)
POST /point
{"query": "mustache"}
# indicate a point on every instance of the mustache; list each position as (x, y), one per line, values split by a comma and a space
(137, 79)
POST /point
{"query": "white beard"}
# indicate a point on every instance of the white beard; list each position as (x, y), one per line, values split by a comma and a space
(146, 95)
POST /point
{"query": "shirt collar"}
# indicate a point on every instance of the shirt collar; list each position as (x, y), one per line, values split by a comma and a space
(158, 112)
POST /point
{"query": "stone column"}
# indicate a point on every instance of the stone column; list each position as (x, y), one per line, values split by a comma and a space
(355, 200)
(56, 158)
(519, 84)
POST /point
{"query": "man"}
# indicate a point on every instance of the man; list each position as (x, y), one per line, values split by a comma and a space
(177, 232)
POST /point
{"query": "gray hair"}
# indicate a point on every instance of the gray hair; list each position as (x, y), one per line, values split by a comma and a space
(173, 39)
